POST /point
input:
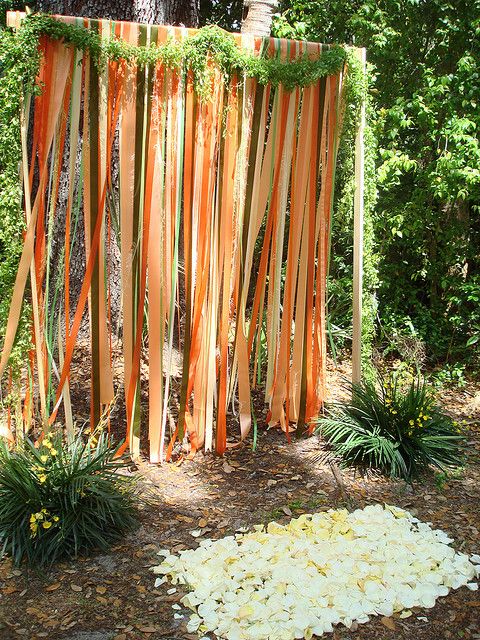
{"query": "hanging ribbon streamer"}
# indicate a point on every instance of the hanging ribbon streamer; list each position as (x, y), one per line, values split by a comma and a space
(221, 203)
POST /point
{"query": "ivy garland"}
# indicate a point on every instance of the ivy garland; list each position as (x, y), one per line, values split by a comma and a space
(209, 44)
(19, 66)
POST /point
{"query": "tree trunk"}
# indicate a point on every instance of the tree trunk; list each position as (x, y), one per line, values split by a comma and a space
(184, 12)
(257, 17)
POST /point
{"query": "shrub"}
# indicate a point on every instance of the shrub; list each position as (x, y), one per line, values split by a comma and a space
(61, 500)
(394, 427)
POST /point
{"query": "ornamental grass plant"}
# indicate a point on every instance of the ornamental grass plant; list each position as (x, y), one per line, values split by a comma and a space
(394, 426)
(59, 500)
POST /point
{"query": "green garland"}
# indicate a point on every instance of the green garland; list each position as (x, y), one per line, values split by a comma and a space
(209, 44)
(19, 65)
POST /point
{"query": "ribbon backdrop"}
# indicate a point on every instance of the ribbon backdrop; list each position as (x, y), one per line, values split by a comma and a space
(220, 216)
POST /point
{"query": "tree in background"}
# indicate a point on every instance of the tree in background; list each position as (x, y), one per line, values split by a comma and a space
(152, 11)
(257, 16)
(425, 89)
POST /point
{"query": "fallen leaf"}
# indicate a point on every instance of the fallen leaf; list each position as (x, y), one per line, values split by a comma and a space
(202, 523)
(147, 629)
(75, 587)
(222, 524)
(53, 587)
(227, 468)
(8, 590)
(101, 590)
(473, 603)
(287, 511)
(388, 622)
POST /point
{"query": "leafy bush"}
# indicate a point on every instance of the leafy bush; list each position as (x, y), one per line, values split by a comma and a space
(60, 500)
(424, 113)
(395, 428)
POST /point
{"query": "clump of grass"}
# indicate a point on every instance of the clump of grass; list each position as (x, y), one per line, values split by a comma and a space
(393, 426)
(59, 500)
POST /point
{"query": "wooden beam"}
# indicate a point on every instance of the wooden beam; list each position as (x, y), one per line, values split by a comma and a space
(358, 239)
(14, 18)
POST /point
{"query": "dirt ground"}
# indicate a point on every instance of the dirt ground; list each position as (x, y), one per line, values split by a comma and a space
(112, 596)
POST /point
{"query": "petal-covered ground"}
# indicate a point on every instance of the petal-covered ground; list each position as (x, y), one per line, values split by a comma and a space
(297, 580)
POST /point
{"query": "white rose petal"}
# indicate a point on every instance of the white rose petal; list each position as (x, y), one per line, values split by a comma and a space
(298, 580)
(160, 581)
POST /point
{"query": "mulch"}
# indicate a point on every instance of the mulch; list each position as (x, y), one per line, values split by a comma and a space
(112, 596)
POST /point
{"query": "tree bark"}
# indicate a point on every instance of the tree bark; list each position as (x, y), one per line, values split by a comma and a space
(184, 12)
(257, 17)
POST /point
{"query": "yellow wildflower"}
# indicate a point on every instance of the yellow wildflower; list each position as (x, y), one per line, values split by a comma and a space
(53, 452)
(411, 423)
(43, 458)
(42, 478)
(46, 524)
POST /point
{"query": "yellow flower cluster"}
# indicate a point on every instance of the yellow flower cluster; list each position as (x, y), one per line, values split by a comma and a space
(41, 472)
(49, 452)
(420, 421)
(47, 443)
(41, 519)
(458, 427)
(389, 397)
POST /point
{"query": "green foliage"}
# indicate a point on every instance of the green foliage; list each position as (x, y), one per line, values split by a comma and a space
(61, 500)
(394, 427)
(442, 478)
(210, 44)
(226, 14)
(18, 67)
(425, 87)
(450, 375)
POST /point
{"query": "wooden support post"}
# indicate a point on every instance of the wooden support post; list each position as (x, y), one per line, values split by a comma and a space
(358, 240)
(14, 18)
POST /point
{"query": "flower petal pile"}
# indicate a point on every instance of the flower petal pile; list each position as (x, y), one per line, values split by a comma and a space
(298, 580)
